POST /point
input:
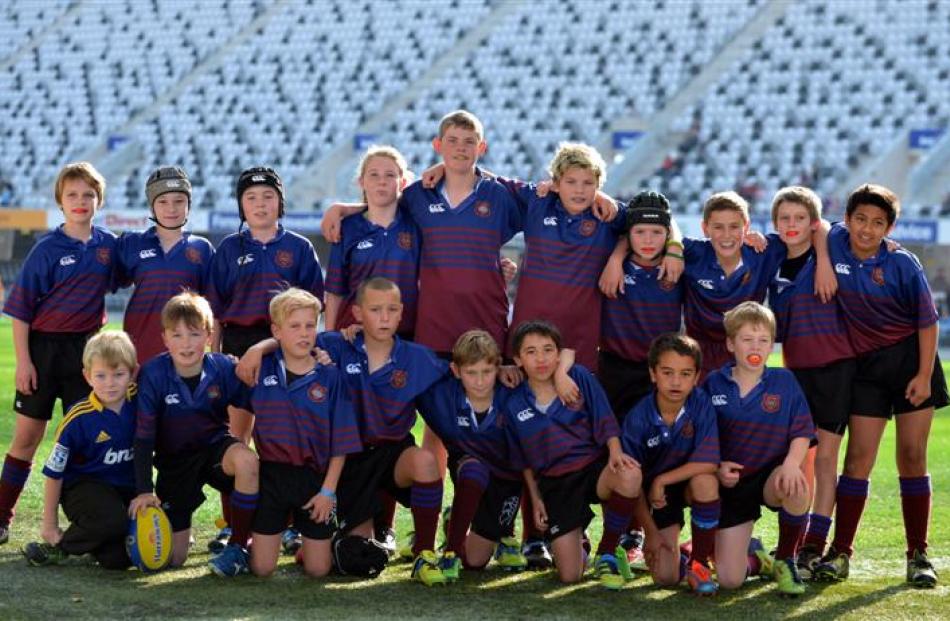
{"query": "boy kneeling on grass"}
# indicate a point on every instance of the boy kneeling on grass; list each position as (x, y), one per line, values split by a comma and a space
(90, 469)
(765, 428)
(304, 429)
(465, 411)
(574, 451)
(673, 434)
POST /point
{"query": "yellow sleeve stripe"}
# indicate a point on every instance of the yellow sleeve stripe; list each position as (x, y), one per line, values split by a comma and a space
(80, 408)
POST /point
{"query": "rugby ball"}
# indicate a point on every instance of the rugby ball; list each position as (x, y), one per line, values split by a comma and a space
(149, 542)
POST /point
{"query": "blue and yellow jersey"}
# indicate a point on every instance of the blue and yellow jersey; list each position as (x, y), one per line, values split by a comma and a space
(94, 442)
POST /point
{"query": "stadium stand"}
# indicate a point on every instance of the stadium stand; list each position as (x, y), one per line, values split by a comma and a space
(826, 88)
(221, 85)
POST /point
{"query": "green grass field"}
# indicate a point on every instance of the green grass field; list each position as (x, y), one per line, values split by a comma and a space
(79, 590)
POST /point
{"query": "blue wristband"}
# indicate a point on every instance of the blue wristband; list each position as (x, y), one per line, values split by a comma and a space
(328, 493)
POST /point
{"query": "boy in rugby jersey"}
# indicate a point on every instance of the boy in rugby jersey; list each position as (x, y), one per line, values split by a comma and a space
(385, 375)
(721, 272)
(89, 471)
(816, 347)
(56, 303)
(182, 429)
(465, 411)
(765, 429)
(672, 433)
(647, 305)
(305, 429)
(892, 323)
(249, 267)
(572, 456)
(161, 261)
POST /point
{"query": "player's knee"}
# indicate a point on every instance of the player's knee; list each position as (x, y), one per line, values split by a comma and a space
(424, 466)
(179, 556)
(629, 483)
(246, 464)
(317, 568)
(26, 441)
(912, 459)
(568, 575)
(666, 579)
(730, 582)
(704, 487)
(261, 569)
(826, 461)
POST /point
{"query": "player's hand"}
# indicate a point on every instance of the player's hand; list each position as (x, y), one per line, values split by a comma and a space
(918, 389)
(892, 245)
(510, 376)
(432, 175)
(320, 508)
(540, 514)
(756, 241)
(509, 269)
(142, 501)
(604, 208)
(790, 481)
(51, 534)
(728, 473)
(349, 332)
(826, 283)
(611, 279)
(671, 268)
(657, 495)
(567, 390)
(249, 367)
(620, 461)
(330, 226)
(543, 188)
(322, 357)
(26, 380)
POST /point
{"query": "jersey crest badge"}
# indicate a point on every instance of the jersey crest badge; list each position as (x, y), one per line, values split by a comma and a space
(588, 227)
(771, 403)
(193, 255)
(214, 391)
(317, 393)
(666, 285)
(398, 379)
(284, 259)
(688, 431)
(405, 240)
(104, 256)
(482, 209)
(746, 278)
(877, 275)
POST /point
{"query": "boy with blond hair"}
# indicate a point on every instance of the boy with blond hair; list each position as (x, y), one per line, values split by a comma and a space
(305, 428)
(765, 429)
(184, 395)
(89, 472)
(467, 209)
(56, 303)
(566, 247)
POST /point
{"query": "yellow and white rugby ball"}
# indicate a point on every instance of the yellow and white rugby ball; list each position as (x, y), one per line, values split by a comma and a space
(149, 542)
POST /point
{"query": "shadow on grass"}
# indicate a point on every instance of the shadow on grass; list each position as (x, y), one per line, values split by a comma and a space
(81, 590)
